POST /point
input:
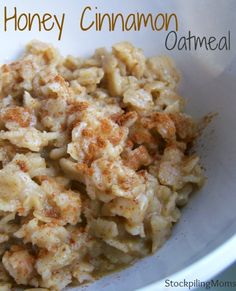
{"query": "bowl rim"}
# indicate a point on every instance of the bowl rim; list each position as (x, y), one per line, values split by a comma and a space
(204, 269)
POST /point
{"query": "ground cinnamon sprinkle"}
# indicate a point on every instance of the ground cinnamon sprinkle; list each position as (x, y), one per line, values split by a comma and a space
(22, 166)
(19, 115)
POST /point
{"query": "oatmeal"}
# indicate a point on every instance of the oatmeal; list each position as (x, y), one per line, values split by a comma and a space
(94, 163)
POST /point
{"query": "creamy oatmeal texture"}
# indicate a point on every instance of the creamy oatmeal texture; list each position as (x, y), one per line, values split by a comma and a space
(94, 163)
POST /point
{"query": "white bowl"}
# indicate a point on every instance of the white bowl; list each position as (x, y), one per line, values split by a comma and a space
(203, 242)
